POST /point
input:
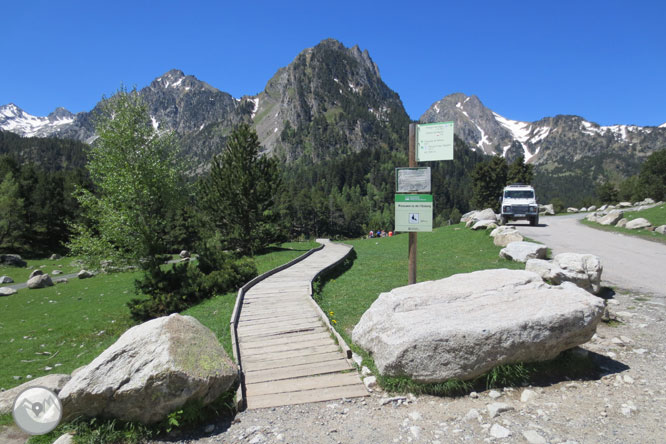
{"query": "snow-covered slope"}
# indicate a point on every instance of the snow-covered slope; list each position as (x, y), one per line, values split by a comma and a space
(560, 138)
(15, 120)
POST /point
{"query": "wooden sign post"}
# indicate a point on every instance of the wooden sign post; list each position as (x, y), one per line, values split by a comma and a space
(412, 236)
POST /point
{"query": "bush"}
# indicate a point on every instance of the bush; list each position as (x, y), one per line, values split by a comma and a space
(184, 285)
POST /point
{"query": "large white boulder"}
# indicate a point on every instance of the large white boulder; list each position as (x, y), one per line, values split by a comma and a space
(637, 224)
(661, 229)
(547, 209)
(584, 270)
(7, 291)
(611, 218)
(39, 281)
(506, 237)
(151, 370)
(484, 224)
(522, 251)
(464, 325)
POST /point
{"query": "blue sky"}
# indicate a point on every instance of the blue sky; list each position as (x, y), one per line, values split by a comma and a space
(603, 60)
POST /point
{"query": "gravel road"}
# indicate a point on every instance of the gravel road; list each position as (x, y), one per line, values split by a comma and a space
(629, 262)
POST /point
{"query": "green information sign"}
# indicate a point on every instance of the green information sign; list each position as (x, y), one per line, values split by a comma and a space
(434, 141)
(413, 212)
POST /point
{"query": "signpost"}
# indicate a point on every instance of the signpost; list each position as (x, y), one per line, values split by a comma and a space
(413, 212)
(434, 141)
(412, 180)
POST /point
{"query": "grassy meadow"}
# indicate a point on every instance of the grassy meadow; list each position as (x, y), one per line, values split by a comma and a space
(60, 328)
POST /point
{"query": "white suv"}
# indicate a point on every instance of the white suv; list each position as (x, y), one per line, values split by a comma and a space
(519, 202)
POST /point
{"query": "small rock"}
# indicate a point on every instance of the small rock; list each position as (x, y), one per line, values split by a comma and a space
(496, 408)
(84, 274)
(370, 382)
(358, 360)
(497, 431)
(472, 414)
(527, 395)
(6, 280)
(628, 379)
(209, 428)
(56, 272)
(494, 394)
(365, 371)
(6, 291)
(415, 431)
(415, 416)
(533, 437)
(258, 439)
(474, 395)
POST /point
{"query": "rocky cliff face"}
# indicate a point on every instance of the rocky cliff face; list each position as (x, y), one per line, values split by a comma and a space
(330, 100)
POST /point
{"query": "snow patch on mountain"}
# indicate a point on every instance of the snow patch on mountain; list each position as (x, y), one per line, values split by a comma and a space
(519, 130)
(663, 125)
(15, 120)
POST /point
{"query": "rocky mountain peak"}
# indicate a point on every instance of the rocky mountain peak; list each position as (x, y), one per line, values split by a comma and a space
(60, 113)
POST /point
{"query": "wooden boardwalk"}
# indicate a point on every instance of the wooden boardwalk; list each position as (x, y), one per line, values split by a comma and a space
(287, 352)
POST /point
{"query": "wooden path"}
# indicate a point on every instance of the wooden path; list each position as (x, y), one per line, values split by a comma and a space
(287, 352)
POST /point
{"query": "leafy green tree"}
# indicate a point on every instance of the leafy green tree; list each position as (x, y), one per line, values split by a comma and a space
(652, 178)
(11, 214)
(520, 172)
(240, 194)
(558, 205)
(488, 180)
(630, 189)
(606, 193)
(134, 172)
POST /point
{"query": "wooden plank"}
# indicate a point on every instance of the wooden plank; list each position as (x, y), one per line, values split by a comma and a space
(306, 396)
(290, 362)
(248, 330)
(274, 333)
(284, 339)
(285, 347)
(250, 358)
(305, 383)
(268, 340)
(296, 371)
(266, 317)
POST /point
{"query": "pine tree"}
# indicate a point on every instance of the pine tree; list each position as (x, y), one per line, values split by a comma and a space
(240, 194)
(489, 179)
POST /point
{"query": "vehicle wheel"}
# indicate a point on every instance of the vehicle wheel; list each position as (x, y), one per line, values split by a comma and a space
(534, 220)
(503, 220)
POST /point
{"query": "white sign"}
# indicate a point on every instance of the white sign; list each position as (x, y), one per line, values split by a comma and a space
(413, 212)
(434, 141)
(412, 180)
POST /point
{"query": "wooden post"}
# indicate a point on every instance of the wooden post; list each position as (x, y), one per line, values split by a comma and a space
(412, 236)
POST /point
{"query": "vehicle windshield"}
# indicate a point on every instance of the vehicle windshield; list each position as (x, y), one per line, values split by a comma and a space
(519, 194)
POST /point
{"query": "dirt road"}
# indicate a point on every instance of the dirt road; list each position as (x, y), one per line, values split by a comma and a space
(628, 262)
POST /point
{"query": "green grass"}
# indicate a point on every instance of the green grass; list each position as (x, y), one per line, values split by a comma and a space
(381, 265)
(656, 215)
(67, 265)
(644, 234)
(70, 324)
(62, 327)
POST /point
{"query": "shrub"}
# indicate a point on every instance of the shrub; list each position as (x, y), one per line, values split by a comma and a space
(184, 285)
